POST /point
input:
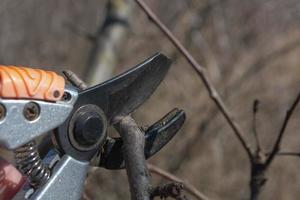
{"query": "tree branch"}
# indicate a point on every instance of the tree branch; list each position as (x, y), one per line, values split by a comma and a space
(187, 186)
(288, 154)
(276, 147)
(133, 150)
(255, 110)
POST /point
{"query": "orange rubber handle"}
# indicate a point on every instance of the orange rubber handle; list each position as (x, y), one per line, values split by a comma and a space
(28, 83)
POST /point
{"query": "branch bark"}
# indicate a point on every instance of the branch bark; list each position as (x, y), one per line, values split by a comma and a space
(133, 148)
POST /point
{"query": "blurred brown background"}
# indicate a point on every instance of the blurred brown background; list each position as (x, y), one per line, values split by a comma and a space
(250, 48)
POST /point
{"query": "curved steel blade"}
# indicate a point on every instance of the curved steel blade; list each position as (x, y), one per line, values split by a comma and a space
(123, 94)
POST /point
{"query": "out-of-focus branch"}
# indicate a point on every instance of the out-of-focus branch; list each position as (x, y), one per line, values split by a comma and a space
(187, 186)
(201, 71)
(288, 154)
(255, 110)
(133, 148)
(108, 41)
(258, 64)
(220, 26)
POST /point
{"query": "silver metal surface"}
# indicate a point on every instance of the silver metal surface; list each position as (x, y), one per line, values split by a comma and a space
(16, 130)
(66, 182)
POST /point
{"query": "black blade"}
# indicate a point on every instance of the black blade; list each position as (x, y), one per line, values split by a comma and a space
(156, 137)
(123, 94)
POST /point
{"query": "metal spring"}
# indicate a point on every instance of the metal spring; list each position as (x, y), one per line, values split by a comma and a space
(28, 161)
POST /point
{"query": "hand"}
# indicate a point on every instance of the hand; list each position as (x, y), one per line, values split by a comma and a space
(11, 180)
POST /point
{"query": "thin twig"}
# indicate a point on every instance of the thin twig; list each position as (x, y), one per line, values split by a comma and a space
(288, 154)
(276, 147)
(74, 79)
(188, 187)
(202, 74)
(255, 110)
(135, 163)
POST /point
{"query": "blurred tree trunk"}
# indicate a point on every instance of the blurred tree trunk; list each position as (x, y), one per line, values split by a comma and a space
(108, 41)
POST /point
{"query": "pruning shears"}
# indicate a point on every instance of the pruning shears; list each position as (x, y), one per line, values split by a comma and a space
(36, 103)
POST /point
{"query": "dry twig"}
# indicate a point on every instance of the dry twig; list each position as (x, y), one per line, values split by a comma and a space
(187, 186)
(288, 154)
(255, 110)
(133, 148)
(287, 118)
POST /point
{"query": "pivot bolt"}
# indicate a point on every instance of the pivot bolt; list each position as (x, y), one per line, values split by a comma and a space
(88, 129)
(31, 111)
